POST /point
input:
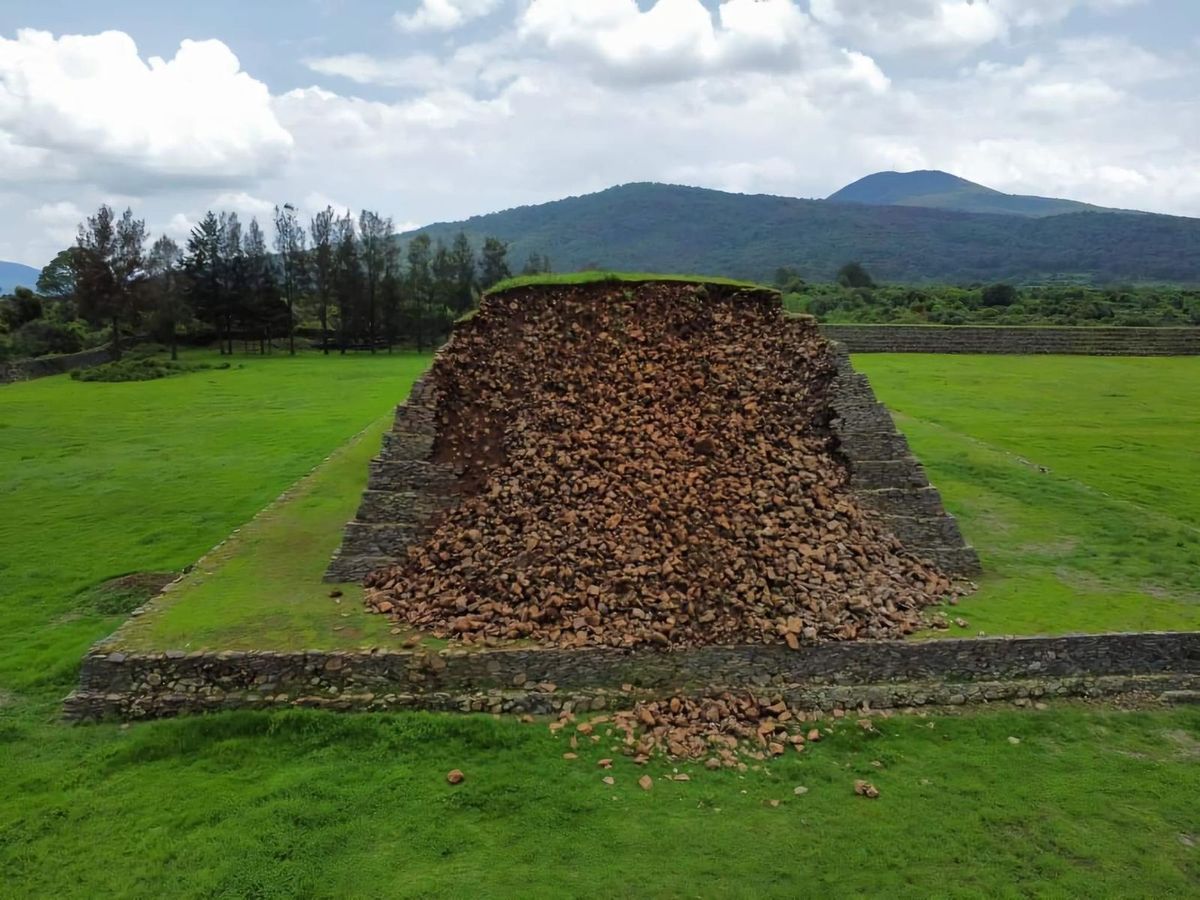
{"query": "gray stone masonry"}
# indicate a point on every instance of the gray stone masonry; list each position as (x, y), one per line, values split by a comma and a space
(1097, 341)
(40, 367)
(888, 479)
(542, 680)
(405, 491)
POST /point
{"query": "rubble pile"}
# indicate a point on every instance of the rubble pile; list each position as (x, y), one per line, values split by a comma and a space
(647, 464)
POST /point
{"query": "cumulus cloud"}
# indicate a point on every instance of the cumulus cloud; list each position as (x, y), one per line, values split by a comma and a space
(951, 26)
(675, 40)
(443, 15)
(90, 108)
(59, 221)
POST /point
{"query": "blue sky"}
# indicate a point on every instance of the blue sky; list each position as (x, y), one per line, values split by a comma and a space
(432, 110)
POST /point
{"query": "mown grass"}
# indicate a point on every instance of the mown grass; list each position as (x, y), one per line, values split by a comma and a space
(1077, 478)
(100, 480)
(148, 476)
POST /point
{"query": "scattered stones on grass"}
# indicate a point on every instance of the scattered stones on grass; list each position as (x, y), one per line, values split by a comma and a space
(646, 782)
(455, 776)
(609, 780)
(866, 789)
(647, 465)
(799, 790)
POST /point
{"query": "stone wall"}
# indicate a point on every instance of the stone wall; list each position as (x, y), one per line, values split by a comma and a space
(1086, 341)
(887, 478)
(819, 676)
(28, 369)
(405, 489)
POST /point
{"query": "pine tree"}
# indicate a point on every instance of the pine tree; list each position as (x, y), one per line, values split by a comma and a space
(166, 292)
(321, 230)
(495, 263)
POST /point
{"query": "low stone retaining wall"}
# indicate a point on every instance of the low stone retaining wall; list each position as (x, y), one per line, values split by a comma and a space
(28, 369)
(1098, 341)
(883, 674)
(887, 478)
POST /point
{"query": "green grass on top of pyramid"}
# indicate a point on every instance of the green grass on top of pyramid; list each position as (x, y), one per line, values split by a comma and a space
(551, 279)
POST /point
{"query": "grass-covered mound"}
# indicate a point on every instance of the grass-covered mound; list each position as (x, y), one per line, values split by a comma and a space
(594, 276)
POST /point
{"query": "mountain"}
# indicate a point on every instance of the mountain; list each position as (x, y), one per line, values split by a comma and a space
(13, 275)
(941, 190)
(668, 228)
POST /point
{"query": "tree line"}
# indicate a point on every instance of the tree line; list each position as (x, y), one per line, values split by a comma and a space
(346, 278)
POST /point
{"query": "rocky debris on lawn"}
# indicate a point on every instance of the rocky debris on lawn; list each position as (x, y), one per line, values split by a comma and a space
(723, 731)
(866, 789)
(646, 782)
(455, 776)
(647, 464)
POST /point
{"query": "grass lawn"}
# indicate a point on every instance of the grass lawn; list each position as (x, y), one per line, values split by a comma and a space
(101, 480)
(1077, 478)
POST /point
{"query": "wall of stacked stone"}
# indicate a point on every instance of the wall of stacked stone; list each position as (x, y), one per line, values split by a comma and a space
(881, 673)
(887, 478)
(405, 490)
(1097, 341)
(28, 369)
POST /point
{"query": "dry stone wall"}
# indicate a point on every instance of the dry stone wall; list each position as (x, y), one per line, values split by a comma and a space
(1098, 341)
(405, 490)
(28, 369)
(881, 674)
(886, 477)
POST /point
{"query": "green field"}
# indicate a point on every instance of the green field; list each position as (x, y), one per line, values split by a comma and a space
(1077, 478)
(102, 480)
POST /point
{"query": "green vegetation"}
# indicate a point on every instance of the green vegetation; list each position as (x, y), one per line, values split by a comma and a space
(106, 479)
(993, 304)
(102, 480)
(144, 368)
(262, 588)
(659, 227)
(1075, 477)
(593, 276)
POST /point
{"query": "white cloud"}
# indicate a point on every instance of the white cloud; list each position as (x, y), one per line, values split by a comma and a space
(60, 221)
(443, 15)
(245, 205)
(676, 40)
(950, 26)
(89, 108)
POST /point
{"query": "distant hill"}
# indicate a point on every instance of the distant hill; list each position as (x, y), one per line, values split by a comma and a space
(13, 275)
(668, 228)
(941, 190)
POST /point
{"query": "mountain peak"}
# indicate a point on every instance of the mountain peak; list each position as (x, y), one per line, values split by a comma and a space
(941, 190)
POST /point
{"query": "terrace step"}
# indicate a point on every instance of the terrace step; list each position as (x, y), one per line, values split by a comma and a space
(351, 568)
(410, 475)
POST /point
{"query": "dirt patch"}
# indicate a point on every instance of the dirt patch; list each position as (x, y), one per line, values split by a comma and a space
(123, 594)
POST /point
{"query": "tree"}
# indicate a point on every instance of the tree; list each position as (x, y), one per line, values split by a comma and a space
(853, 275)
(347, 277)
(495, 263)
(57, 278)
(999, 295)
(462, 259)
(536, 264)
(289, 246)
(205, 266)
(374, 235)
(262, 301)
(166, 294)
(321, 230)
(420, 284)
(108, 267)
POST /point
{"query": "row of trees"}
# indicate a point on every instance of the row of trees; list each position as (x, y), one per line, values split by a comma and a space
(348, 276)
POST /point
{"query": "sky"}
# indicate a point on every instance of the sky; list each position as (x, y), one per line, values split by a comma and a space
(435, 110)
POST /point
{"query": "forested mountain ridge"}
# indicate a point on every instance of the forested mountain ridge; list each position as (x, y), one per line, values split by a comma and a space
(14, 275)
(672, 228)
(941, 190)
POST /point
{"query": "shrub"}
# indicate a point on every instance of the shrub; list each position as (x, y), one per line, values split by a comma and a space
(144, 368)
(40, 337)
